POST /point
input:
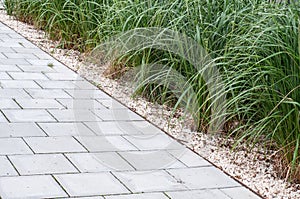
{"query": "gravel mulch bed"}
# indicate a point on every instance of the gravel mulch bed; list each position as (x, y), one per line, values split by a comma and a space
(255, 169)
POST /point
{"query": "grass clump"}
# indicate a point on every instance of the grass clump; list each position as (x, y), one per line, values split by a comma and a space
(253, 43)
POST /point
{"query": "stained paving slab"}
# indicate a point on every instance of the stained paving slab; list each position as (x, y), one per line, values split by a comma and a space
(61, 137)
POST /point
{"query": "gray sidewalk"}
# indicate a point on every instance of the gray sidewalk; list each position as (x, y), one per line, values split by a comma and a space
(61, 137)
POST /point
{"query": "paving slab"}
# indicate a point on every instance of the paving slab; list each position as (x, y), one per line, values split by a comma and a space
(203, 178)
(63, 76)
(117, 115)
(62, 137)
(47, 93)
(36, 68)
(52, 84)
(19, 55)
(99, 162)
(54, 144)
(42, 164)
(18, 84)
(76, 115)
(111, 103)
(189, 158)
(34, 187)
(85, 85)
(105, 144)
(81, 104)
(20, 130)
(114, 128)
(87, 94)
(150, 160)
(28, 115)
(27, 76)
(66, 129)
(39, 104)
(151, 181)
(89, 184)
(154, 142)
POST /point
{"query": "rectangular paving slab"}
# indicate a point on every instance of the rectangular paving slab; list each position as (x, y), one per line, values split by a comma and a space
(150, 181)
(88, 184)
(20, 130)
(99, 162)
(30, 187)
(54, 144)
(203, 178)
(42, 164)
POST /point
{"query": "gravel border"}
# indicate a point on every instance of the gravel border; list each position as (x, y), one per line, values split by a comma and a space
(254, 169)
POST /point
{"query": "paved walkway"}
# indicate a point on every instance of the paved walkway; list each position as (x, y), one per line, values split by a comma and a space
(61, 137)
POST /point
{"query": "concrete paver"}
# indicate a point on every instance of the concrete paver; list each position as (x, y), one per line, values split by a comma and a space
(66, 129)
(28, 115)
(118, 115)
(154, 142)
(81, 104)
(20, 130)
(47, 93)
(42, 164)
(30, 187)
(87, 94)
(113, 128)
(149, 160)
(54, 144)
(91, 184)
(61, 137)
(149, 181)
(77, 115)
(51, 84)
(203, 178)
(107, 143)
(188, 158)
(99, 162)
(18, 84)
(39, 104)
(27, 75)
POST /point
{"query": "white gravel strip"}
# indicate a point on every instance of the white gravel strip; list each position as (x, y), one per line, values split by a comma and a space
(254, 168)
